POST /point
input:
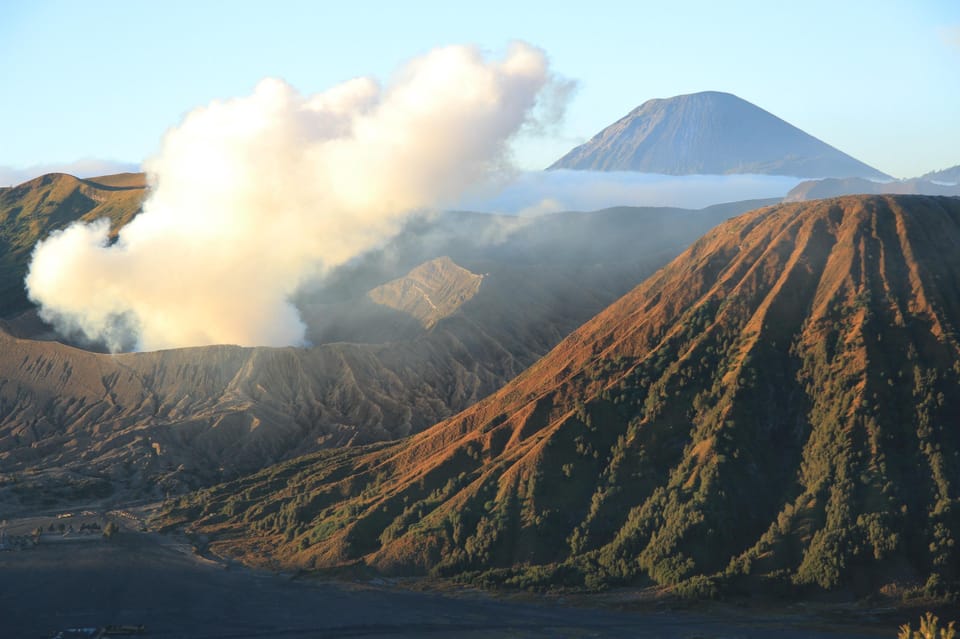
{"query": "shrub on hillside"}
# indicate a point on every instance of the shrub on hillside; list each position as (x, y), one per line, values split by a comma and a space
(929, 629)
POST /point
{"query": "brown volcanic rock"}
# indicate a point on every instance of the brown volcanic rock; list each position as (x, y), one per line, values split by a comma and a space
(779, 404)
(191, 417)
(430, 292)
(215, 410)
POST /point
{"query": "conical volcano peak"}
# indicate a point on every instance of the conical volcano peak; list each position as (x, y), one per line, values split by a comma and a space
(710, 133)
(778, 404)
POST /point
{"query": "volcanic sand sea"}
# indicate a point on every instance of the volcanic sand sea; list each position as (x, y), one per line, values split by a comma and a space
(156, 580)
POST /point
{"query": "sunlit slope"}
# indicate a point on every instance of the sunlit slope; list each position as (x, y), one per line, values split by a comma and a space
(778, 405)
(32, 210)
(430, 292)
(157, 422)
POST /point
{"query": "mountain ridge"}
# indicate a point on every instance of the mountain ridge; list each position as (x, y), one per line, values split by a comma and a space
(836, 187)
(174, 420)
(710, 132)
(950, 175)
(430, 292)
(32, 210)
(639, 449)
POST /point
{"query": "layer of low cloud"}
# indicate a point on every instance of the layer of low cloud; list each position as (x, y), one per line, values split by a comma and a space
(540, 192)
(254, 196)
(85, 168)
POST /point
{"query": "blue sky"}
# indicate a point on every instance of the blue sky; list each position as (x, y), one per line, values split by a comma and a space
(104, 79)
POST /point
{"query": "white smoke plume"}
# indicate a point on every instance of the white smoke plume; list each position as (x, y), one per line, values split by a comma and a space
(253, 196)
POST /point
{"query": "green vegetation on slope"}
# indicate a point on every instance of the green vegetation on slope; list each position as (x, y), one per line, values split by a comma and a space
(777, 408)
(32, 210)
(929, 628)
(152, 423)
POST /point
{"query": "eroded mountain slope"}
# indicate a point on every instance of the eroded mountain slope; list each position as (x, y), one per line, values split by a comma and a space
(157, 422)
(778, 407)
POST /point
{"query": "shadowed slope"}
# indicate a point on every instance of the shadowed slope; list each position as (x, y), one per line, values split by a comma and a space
(779, 403)
(183, 418)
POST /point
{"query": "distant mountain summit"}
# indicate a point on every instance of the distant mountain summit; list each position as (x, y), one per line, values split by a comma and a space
(710, 133)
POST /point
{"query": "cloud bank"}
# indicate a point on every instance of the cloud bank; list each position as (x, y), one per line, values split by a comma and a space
(253, 196)
(540, 192)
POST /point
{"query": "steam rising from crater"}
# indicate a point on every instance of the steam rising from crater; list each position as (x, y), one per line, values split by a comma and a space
(253, 196)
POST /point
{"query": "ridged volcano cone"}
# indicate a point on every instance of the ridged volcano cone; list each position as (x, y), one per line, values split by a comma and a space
(710, 133)
(782, 401)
